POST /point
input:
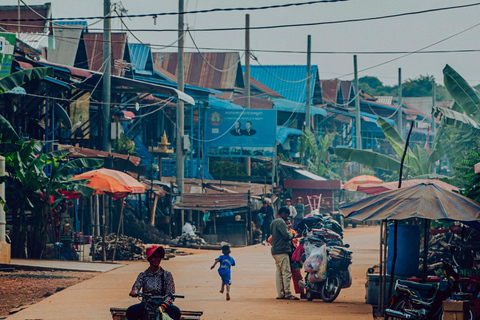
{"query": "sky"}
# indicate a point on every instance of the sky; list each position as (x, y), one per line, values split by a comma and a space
(447, 29)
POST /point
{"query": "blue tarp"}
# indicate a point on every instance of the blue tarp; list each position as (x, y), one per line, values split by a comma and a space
(297, 107)
(367, 117)
(284, 132)
(222, 104)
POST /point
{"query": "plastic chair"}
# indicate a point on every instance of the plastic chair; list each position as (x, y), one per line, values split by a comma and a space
(314, 201)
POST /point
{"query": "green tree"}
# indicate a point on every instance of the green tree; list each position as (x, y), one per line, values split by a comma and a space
(32, 187)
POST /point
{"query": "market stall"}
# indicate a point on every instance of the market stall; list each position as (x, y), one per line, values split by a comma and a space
(226, 216)
(424, 201)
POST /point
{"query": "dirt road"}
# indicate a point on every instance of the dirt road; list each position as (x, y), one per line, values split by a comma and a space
(253, 288)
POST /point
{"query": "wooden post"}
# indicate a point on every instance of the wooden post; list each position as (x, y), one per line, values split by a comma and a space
(118, 230)
(153, 209)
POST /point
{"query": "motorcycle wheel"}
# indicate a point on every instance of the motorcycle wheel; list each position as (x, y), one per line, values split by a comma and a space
(331, 288)
(309, 295)
(470, 315)
(400, 305)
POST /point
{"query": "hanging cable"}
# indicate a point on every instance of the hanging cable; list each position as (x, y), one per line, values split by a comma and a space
(413, 52)
(209, 64)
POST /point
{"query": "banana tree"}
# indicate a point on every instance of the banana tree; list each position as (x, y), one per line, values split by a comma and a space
(417, 160)
(30, 189)
(318, 161)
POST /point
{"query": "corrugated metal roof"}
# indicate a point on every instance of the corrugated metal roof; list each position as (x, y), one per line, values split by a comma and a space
(94, 46)
(141, 57)
(199, 73)
(264, 89)
(73, 23)
(39, 26)
(66, 46)
(35, 40)
(385, 99)
(330, 90)
(199, 201)
(347, 91)
(285, 79)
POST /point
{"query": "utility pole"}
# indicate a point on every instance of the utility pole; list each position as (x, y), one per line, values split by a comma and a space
(358, 128)
(400, 113)
(308, 100)
(248, 167)
(180, 111)
(434, 98)
(18, 13)
(107, 70)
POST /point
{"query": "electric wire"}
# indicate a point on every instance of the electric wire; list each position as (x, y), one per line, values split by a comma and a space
(413, 52)
(176, 13)
(209, 64)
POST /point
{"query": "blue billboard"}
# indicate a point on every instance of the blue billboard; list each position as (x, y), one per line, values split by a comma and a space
(240, 133)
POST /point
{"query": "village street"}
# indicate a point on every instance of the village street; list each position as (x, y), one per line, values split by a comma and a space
(253, 288)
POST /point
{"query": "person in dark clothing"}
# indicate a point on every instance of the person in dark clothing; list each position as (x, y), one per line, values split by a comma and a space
(154, 279)
(267, 212)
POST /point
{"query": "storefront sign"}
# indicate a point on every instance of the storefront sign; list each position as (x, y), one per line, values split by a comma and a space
(7, 46)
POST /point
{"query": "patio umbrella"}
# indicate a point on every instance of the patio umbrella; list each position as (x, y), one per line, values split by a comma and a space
(423, 200)
(379, 188)
(355, 182)
(111, 182)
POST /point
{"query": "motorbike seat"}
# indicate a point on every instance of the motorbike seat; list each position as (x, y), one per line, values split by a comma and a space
(423, 288)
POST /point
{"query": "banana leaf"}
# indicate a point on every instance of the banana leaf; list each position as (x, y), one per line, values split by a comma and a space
(398, 143)
(369, 158)
(7, 133)
(422, 155)
(456, 119)
(437, 150)
(463, 94)
(19, 78)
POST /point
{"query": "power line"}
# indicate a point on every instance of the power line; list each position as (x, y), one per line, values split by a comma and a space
(308, 24)
(175, 13)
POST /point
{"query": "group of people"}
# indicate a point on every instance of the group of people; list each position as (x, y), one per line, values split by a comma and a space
(277, 231)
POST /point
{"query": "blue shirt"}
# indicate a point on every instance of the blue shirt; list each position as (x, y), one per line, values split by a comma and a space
(226, 262)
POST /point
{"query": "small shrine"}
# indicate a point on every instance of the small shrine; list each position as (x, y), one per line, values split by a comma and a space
(162, 146)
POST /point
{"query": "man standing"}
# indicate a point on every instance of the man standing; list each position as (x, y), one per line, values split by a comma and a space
(293, 211)
(267, 217)
(281, 248)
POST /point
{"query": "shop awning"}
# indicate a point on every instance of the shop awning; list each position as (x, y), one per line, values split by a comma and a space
(222, 104)
(203, 201)
(309, 175)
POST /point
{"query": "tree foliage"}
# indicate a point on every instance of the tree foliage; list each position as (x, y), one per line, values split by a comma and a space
(32, 187)
(418, 87)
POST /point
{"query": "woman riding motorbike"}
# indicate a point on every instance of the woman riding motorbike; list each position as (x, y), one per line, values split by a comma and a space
(154, 279)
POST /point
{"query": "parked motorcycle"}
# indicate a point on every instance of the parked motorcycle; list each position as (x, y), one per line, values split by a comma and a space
(422, 301)
(338, 276)
(152, 302)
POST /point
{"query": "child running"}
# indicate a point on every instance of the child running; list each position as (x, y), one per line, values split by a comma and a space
(226, 262)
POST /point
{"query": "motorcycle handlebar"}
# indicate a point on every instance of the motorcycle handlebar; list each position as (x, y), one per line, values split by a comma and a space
(141, 294)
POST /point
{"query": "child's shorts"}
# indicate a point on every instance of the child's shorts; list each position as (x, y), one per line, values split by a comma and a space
(225, 275)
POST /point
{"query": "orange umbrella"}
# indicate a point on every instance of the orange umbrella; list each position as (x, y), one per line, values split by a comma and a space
(111, 182)
(353, 183)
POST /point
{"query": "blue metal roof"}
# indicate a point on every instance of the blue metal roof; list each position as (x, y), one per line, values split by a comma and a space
(367, 117)
(222, 104)
(297, 107)
(197, 93)
(284, 132)
(285, 79)
(73, 23)
(141, 57)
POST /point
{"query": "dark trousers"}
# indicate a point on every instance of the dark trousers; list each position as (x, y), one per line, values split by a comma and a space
(135, 312)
